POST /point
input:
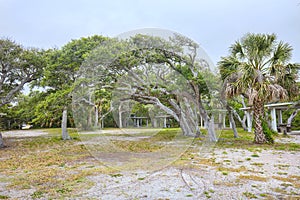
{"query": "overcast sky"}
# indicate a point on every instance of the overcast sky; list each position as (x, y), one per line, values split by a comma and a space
(214, 24)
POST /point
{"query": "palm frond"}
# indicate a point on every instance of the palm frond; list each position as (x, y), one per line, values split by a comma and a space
(281, 54)
(228, 66)
(276, 92)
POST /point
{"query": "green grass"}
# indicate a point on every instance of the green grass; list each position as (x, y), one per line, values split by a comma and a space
(245, 141)
(4, 197)
(249, 195)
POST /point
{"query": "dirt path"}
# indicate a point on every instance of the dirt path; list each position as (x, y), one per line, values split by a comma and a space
(23, 133)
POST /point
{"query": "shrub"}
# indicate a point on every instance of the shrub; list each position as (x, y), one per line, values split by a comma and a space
(268, 132)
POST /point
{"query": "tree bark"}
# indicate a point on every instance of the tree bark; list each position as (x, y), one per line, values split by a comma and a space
(291, 117)
(65, 134)
(120, 116)
(209, 122)
(1, 141)
(185, 126)
(258, 111)
(233, 125)
(96, 117)
(211, 129)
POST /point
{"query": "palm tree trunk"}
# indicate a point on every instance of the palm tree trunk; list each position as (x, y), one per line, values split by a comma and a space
(258, 110)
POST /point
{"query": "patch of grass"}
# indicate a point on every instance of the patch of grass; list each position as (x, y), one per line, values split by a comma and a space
(141, 178)
(208, 161)
(282, 166)
(279, 190)
(116, 175)
(249, 195)
(286, 184)
(255, 155)
(253, 177)
(245, 141)
(207, 194)
(257, 164)
(137, 146)
(37, 194)
(282, 173)
(284, 179)
(263, 195)
(226, 183)
(63, 190)
(240, 169)
(165, 135)
(254, 149)
(4, 197)
(225, 173)
(287, 146)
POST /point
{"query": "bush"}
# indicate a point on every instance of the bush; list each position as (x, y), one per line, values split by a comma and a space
(268, 132)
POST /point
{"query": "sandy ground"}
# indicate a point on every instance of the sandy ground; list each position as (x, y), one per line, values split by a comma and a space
(204, 181)
(232, 174)
(23, 133)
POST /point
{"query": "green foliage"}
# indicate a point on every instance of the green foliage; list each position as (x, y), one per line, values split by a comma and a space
(268, 132)
(59, 77)
(18, 66)
(65, 62)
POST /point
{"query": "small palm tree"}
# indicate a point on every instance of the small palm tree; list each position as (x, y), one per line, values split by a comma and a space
(256, 68)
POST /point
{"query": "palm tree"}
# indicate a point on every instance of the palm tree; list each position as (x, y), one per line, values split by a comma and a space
(256, 68)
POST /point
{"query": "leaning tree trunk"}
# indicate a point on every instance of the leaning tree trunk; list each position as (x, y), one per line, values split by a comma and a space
(258, 111)
(65, 134)
(186, 130)
(233, 125)
(291, 117)
(209, 122)
(188, 125)
(1, 141)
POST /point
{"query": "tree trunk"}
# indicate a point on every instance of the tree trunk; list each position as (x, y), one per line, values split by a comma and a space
(209, 122)
(233, 125)
(120, 116)
(65, 134)
(247, 116)
(1, 141)
(90, 119)
(186, 129)
(96, 117)
(290, 119)
(258, 109)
